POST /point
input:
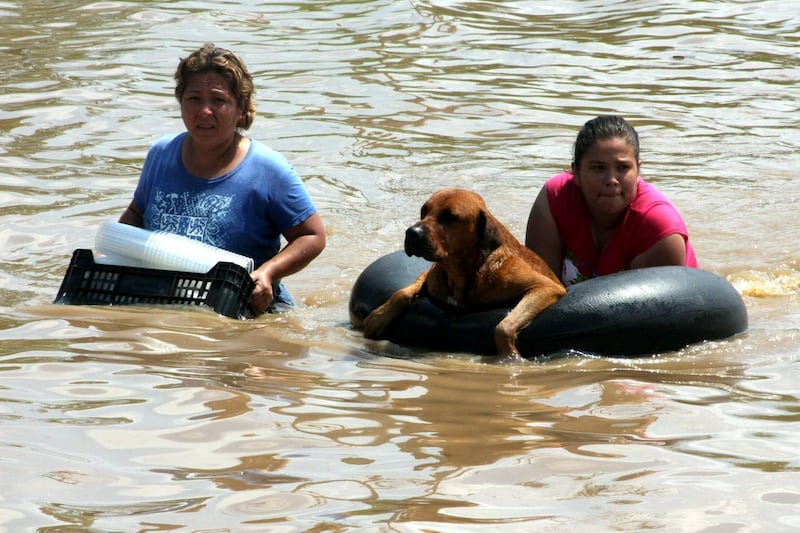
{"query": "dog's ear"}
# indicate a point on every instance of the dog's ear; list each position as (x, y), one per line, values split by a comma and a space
(489, 235)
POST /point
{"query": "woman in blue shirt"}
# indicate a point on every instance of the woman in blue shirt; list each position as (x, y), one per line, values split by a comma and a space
(213, 184)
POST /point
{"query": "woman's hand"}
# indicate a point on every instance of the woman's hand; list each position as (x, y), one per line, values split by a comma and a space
(262, 296)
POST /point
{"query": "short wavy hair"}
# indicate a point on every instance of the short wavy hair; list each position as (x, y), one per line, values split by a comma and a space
(211, 58)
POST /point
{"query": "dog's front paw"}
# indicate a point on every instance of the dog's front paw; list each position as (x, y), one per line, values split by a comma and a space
(375, 324)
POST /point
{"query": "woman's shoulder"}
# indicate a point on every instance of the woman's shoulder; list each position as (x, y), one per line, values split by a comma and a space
(648, 195)
(167, 143)
(654, 206)
(562, 187)
(560, 179)
(262, 157)
(259, 150)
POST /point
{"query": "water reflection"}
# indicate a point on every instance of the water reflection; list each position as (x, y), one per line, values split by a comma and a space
(280, 429)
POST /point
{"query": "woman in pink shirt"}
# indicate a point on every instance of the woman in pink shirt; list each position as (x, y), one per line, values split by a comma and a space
(602, 217)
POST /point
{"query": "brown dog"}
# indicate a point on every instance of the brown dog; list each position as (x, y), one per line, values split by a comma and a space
(478, 263)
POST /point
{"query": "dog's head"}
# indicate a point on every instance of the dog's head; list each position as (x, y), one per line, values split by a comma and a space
(453, 223)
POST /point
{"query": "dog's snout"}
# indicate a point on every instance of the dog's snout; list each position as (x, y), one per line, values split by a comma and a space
(416, 243)
(414, 233)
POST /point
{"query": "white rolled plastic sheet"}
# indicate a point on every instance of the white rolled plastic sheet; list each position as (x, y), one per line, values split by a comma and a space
(122, 244)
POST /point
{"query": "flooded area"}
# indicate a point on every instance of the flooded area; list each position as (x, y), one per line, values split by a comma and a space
(174, 419)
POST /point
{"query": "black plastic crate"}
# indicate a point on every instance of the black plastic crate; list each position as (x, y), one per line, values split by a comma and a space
(225, 288)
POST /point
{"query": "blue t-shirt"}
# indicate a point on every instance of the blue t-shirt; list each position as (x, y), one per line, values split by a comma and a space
(244, 211)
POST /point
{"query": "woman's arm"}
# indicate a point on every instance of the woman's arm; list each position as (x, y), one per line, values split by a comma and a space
(542, 236)
(305, 242)
(670, 250)
(132, 216)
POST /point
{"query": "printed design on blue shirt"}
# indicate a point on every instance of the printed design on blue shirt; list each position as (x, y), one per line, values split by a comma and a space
(201, 216)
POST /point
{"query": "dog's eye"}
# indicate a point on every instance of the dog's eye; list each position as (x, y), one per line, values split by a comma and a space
(447, 217)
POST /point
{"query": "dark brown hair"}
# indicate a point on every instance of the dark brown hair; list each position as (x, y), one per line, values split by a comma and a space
(604, 127)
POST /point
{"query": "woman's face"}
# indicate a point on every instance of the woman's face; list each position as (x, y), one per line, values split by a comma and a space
(607, 175)
(209, 109)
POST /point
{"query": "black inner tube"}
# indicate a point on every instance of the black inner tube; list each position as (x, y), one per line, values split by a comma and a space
(629, 314)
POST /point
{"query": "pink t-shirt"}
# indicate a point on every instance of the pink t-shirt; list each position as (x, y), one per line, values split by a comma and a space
(650, 218)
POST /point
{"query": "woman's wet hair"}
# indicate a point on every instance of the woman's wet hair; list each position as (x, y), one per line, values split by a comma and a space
(211, 58)
(601, 128)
